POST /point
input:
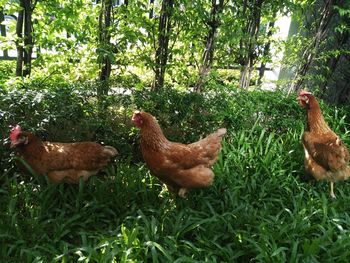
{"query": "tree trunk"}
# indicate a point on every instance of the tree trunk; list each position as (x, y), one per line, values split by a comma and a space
(311, 51)
(266, 52)
(252, 28)
(104, 57)
(28, 38)
(24, 42)
(104, 39)
(341, 42)
(208, 54)
(19, 44)
(151, 11)
(245, 75)
(2, 18)
(3, 29)
(162, 51)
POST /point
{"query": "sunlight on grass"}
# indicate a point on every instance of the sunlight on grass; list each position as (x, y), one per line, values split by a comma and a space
(259, 209)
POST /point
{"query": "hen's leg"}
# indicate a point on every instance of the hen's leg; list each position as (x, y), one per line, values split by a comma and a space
(182, 192)
(332, 192)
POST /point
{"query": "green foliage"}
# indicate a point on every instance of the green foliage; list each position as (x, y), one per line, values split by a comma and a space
(66, 46)
(258, 208)
(66, 112)
(66, 35)
(320, 48)
(6, 70)
(71, 112)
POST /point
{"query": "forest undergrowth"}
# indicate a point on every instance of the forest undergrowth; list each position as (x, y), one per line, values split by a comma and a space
(260, 208)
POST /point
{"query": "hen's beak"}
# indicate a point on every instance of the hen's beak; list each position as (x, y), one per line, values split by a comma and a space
(19, 141)
(133, 117)
(299, 100)
(136, 118)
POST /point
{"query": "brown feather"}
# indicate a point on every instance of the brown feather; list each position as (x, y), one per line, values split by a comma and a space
(326, 157)
(64, 161)
(175, 164)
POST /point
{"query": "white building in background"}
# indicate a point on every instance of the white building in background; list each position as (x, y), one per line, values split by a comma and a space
(271, 77)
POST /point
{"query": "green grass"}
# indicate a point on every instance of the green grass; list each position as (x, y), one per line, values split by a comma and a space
(257, 210)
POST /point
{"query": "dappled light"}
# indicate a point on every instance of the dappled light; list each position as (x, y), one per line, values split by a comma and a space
(54, 147)
(174, 131)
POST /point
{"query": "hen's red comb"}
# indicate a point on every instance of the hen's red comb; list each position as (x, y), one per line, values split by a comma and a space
(14, 132)
(304, 92)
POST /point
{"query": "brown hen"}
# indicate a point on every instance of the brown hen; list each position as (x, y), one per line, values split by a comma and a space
(61, 161)
(179, 166)
(326, 156)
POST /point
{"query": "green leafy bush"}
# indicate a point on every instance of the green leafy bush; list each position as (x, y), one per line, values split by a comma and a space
(6, 70)
(258, 209)
(75, 112)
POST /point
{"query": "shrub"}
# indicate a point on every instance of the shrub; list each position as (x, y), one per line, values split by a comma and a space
(75, 112)
(256, 210)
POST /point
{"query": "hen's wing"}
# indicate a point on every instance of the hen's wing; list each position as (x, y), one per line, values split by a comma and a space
(202, 152)
(327, 150)
(78, 156)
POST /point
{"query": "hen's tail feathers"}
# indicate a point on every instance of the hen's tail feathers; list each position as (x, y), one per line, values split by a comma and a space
(221, 132)
(111, 150)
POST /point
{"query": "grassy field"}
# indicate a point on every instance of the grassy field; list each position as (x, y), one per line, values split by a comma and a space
(258, 210)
